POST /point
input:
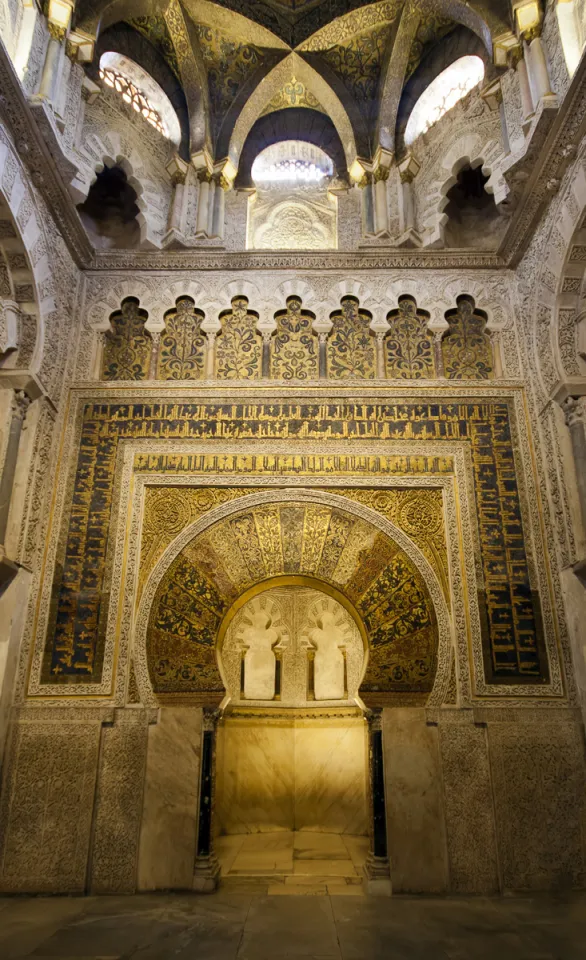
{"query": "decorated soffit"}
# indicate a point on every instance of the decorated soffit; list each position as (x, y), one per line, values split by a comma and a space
(433, 29)
(299, 539)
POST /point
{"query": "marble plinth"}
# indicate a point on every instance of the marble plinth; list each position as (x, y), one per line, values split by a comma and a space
(169, 826)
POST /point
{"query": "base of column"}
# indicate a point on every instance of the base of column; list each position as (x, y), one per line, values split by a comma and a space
(206, 876)
(377, 876)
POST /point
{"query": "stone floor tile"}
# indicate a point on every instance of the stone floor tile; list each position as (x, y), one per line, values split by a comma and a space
(289, 926)
(345, 890)
(301, 890)
(318, 846)
(324, 868)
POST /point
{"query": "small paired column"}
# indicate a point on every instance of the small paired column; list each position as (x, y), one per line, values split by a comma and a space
(207, 869)
(381, 207)
(177, 169)
(520, 66)
(377, 869)
(537, 71)
(437, 329)
(408, 170)
(575, 413)
(52, 61)
(211, 328)
(380, 328)
(266, 328)
(203, 205)
(323, 328)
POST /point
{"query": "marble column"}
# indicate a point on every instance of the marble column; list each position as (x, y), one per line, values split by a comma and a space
(52, 60)
(213, 187)
(266, 353)
(219, 208)
(377, 869)
(406, 207)
(437, 353)
(20, 405)
(366, 194)
(156, 339)
(520, 65)
(201, 223)
(380, 354)
(537, 71)
(207, 869)
(177, 205)
(381, 210)
(575, 413)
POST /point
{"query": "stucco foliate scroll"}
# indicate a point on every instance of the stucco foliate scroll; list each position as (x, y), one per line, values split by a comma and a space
(466, 347)
(181, 352)
(350, 344)
(294, 354)
(408, 345)
(239, 347)
(127, 346)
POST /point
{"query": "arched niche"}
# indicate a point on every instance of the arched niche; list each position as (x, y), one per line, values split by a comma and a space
(374, 567)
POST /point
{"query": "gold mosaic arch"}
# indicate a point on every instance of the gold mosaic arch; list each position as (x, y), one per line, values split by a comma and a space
(323, 541)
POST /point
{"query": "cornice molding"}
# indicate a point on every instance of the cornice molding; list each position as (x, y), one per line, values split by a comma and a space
(34, 153)
(387, 259)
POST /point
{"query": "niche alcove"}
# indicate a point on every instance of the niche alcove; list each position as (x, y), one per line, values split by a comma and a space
(292, 621)
(292, 747)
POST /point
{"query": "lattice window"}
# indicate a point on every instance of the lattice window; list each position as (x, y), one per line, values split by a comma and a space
(294, 354)
(466, 347)
(408, 345)
(135, 97)
(239, 347)
(183, 345)
(443, 93)
(127, 347)
(350, 345)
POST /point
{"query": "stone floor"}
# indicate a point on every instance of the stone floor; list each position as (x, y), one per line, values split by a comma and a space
(293, 863)
(238, 925)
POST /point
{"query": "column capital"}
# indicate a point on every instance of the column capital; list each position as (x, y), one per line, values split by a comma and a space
(374, 717)
(574, 410)
(211, 717)
(20, 404)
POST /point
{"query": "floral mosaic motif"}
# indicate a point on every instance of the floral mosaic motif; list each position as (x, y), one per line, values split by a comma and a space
(350, 345)
(385, 586)
(229, 65)
(239, 347)
(358, 63)
(182, 347)
(408, 345)
(155, 30)
(466, 347)
(294, 353)
(127, 346)
(294, 93)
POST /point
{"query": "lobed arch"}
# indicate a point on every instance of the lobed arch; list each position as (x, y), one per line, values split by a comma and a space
(133, 164)
(288, 498)
(30, 275)
(468, 150)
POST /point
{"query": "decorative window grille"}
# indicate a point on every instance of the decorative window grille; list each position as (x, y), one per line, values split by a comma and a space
(132, 95)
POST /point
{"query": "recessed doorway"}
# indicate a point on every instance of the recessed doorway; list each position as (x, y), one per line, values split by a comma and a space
(291, 802)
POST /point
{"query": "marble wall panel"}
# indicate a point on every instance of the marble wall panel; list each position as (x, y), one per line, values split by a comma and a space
(255, 780)
(292, 774)
(539, 783)
(330, 776)
(48, 801)
(169, 824)
(119, 803)
(415, 814)
(469, 811)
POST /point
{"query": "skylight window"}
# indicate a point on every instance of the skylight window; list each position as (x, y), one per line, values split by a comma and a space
(450, 86)
(292, 163)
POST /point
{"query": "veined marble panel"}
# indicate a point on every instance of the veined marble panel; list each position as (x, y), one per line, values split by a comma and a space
(169, 825)
(292, 774)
